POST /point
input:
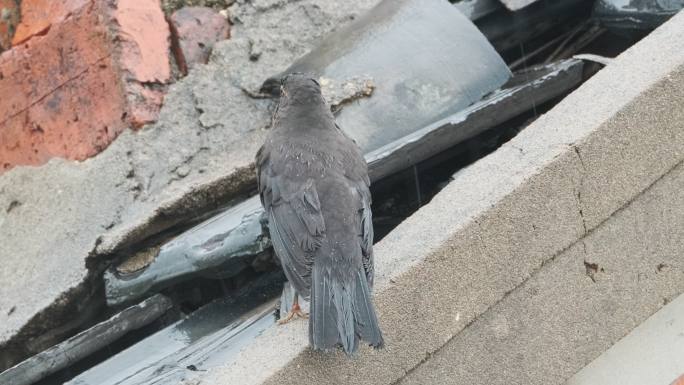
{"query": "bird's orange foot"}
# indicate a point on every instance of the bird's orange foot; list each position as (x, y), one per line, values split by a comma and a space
(295, 311)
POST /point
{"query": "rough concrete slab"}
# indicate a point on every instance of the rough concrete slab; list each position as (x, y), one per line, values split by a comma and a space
(501, 220)
(579, 304)
(207, 133)
(652, 354)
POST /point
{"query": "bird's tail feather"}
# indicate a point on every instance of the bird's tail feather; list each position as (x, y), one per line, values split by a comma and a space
(342, 315)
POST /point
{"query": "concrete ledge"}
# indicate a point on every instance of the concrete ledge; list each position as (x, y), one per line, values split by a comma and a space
(579, 304)
(501, 220)
(651, 354)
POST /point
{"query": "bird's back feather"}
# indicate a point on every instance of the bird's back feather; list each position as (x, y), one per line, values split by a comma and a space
(314, 185)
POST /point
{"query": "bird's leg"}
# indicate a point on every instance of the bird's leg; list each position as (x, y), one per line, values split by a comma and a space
(295, 311)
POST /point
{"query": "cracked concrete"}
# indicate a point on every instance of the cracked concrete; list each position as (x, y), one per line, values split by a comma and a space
(578, 191)
(561, 318)
(207, 132)
(512, 221)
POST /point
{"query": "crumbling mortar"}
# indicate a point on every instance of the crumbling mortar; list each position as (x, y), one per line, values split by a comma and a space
(273, 6)
(65, 314)
(185, 162)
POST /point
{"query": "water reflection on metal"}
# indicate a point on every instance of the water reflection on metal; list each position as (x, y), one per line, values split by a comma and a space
(210, 336)
(86, 342)
(526, 90)
(635, 14)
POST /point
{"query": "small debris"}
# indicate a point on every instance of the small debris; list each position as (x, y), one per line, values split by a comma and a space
(594, 58)
(338, 93)
(11, 310)
(255, 50)
(13, 205)
(592, 269)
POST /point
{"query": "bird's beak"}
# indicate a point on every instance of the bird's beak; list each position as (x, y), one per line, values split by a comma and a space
(272, 86)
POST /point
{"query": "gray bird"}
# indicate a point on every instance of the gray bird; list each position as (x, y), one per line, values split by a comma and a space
(313, 182)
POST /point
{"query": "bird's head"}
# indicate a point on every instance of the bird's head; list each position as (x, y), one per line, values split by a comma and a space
(301, 88)
(302, 104)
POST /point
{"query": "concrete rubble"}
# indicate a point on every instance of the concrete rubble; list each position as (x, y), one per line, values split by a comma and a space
(208, 132)
(183, 351)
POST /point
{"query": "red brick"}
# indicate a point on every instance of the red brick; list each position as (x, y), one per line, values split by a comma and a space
(73, 86)
(76, 121)
(62, 94)
(143, 48)
(9, 18)
(195, 31)
(143, 39)
(38, 67)
(37, 16)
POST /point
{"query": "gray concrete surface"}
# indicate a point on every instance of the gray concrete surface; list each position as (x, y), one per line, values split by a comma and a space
(502, 220)
(58, 221)
(652, 354)
(567, 314)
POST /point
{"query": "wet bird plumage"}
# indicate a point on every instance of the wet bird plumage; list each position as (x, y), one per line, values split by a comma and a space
(314, 185)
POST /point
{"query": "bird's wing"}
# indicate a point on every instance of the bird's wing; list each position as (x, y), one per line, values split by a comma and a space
(366, 233)
(295, 222)
(357, 172)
